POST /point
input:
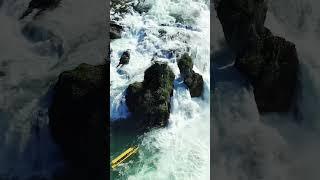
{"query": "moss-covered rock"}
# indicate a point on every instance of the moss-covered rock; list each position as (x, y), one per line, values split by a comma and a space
(270, 62)
(273, 72)
(78, 120)
(149, 101)
(193, 80)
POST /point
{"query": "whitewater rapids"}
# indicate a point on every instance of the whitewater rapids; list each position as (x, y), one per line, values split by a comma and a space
(181, 150)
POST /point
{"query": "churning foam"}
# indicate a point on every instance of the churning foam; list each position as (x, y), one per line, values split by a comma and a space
(181, 150)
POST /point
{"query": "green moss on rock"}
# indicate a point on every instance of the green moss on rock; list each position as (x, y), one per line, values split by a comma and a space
(149, 101)
(193, 80)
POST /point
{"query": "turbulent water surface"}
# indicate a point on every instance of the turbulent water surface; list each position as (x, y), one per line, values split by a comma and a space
(273, 146)
(30, 62)
(181, 150)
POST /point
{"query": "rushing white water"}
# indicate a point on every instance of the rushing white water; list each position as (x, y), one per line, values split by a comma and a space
(181, 150)
(250, 146)
(28, 71)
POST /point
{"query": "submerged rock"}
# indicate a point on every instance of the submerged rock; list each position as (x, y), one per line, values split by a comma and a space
(142, 6)
(149, 101)
(270, 62)
(125, 57)
(115, 30)
(193, 80)
(78, 120)
(120, 6)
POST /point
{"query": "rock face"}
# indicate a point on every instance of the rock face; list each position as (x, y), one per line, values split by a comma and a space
(193, 80)
(78, 120)
(115, 30)
(241, 20)
(270, 62)
(149, 101)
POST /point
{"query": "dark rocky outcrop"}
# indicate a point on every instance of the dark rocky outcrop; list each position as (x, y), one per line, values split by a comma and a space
(125, 57)
(78, 120)
(193, 80)
(273, 71)
(270, 62)
(142, 6)
(242, 21)
(149, 101)
(162, 32)
(115, 30)
(41, 5)
(120, 6)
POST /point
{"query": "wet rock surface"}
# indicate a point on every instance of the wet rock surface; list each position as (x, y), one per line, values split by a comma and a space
(193, 80)
(115, 30)
(78, 120)
(149, 101)
(120, 6)
(125, 58)
(270, 62)
(273, 72)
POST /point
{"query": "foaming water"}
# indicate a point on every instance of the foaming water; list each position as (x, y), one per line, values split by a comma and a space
(181, 150)
(29, 69)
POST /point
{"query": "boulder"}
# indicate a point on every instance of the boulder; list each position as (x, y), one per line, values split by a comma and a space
(273, 72)
(242, 21)
(270, 62)
(115, 30)
(78, 120)
(125, 57)
(193, 80)
(142, 6)
(120, 6)
(149, 101)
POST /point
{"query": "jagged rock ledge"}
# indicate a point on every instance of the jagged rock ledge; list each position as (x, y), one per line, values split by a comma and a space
(193, 80)
(78, 120)
(115, 30)
(270, 62)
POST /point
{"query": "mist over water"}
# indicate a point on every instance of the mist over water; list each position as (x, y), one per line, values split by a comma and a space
(271, 146)
(181, 150)
(30, 62)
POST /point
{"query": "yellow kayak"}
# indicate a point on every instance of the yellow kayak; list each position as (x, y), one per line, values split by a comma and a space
(122, 157)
